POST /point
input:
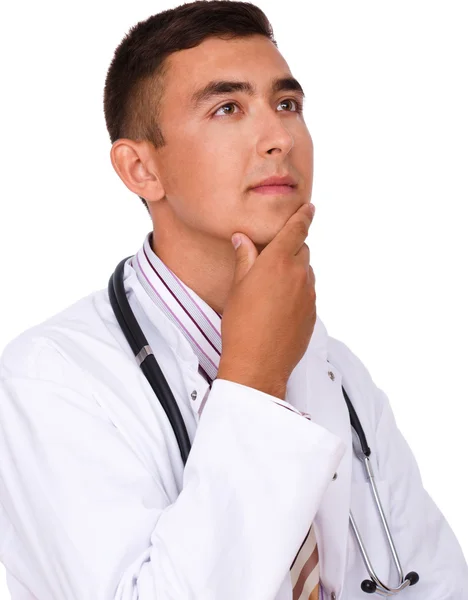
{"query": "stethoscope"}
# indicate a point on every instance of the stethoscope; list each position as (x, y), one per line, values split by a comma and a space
(148, 364)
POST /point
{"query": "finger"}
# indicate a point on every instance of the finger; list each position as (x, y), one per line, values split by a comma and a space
(303, 256)
(291, 237)
(246, 255)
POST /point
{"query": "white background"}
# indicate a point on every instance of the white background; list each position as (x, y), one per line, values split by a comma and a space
(386, 97)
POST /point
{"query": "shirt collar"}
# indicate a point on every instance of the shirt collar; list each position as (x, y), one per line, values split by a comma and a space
(193, 317)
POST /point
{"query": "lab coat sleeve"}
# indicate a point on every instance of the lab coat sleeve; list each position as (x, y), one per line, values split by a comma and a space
(423, 538)
(94, 524)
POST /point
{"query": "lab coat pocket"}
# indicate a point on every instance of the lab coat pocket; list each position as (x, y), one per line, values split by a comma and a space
(371, 530)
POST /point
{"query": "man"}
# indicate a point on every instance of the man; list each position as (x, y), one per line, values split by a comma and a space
(95, 501)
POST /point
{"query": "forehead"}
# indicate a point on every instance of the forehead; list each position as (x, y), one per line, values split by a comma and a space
(254, 58)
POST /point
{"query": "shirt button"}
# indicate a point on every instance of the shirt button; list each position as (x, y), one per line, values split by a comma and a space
(333, 596)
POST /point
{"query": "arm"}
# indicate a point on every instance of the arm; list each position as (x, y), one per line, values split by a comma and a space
(95, 524)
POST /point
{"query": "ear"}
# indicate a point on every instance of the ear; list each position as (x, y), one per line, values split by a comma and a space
(135, 164)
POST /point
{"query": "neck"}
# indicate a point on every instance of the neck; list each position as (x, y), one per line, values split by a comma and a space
(205, 265)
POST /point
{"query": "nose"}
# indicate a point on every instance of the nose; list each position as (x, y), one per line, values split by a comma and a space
(274, 136)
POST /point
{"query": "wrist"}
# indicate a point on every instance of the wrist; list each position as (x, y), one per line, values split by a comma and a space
(263, 383)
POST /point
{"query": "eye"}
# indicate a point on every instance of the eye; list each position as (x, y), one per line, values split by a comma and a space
(296, 102)
(224, 106)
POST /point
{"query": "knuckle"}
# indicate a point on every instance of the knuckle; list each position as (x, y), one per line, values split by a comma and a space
(302, 227)
(301, 274)
(312, 277)
(304, 252)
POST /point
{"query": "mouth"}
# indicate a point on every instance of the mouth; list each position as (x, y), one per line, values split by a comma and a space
(274, 189)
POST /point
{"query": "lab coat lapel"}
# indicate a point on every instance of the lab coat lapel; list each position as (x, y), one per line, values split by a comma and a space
(315, 387)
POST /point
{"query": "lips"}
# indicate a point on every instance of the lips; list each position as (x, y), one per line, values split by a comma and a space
(274, 189)
(275, 180)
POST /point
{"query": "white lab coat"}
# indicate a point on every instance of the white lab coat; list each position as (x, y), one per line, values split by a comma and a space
(95, 503)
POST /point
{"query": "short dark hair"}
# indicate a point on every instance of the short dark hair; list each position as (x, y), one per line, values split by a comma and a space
(135, 78)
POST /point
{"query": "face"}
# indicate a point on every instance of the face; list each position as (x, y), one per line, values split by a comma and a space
(218, 148)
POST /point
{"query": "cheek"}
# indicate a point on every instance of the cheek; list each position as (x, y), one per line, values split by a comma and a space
(202, 182)
(306, 156)
(203, 166)
(306, 144)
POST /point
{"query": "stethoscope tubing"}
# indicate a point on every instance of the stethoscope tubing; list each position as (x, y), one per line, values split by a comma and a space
(149, 365)
(152, 371)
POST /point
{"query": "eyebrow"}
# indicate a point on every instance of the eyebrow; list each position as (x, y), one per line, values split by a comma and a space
(221, 87)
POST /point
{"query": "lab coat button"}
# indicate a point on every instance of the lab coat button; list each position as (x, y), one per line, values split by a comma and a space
(331, 375)
(333, 596)
(194, 395)
(335, 476)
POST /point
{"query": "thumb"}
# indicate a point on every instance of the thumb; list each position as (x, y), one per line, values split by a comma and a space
(246, 255)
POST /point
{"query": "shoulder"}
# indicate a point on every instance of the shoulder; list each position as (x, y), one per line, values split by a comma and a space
(47, 369)
(346, 360)
(40, 352)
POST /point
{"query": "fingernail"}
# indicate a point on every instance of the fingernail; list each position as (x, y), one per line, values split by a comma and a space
(236, 241)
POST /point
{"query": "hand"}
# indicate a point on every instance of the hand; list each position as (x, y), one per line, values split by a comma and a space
(270, 312)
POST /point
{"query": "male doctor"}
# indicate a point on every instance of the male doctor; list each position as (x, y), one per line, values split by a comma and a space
(95, 504)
